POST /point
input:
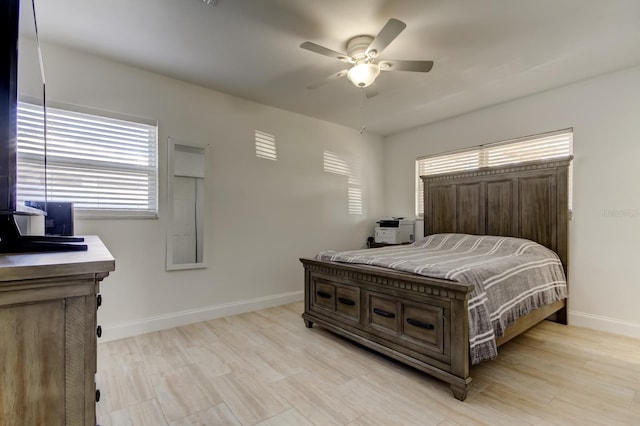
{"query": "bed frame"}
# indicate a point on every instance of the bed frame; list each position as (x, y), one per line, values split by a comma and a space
(421, 321)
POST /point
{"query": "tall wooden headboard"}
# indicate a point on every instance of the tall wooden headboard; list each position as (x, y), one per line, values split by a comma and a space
(525, 200)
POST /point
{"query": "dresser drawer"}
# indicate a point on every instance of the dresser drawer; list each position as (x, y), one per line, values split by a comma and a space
(341, 299)
(417, 325)
(324, 295)
(348, 301)
(424, 323)
(384, 313)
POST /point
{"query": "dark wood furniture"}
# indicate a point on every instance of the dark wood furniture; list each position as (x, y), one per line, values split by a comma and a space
(373, 244)
(423, 321)
(48, 331)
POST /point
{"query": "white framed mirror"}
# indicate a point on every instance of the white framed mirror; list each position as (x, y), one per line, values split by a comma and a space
(186, 205)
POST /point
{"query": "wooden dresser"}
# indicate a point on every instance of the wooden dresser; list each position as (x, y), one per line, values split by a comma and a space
(48, 332)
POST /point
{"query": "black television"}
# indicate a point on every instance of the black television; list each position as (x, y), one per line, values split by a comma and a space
(10, 239)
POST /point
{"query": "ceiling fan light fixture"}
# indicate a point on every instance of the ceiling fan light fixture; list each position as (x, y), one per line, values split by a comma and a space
(363, 75)
(363, 52)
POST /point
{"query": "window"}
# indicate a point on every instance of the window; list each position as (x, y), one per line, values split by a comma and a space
(107, 167)
(266, 146)
(334, 163)
(537, 147)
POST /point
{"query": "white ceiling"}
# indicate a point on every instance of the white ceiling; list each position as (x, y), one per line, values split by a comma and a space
(485, 51)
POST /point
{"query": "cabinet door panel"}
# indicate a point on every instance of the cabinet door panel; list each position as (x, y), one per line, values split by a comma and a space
(31, 338)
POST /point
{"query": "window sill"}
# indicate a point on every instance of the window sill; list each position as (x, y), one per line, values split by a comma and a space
(108, 215)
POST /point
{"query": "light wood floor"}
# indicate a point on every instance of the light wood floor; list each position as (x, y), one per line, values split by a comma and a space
(266, 368)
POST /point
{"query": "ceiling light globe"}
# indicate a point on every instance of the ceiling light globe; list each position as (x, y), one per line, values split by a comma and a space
(363, 75)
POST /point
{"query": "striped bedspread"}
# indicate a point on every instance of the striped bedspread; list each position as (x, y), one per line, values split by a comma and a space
(512, 277)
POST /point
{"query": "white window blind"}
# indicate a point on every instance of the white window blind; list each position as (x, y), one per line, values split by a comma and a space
(334, 163)
(105, 166)
(537, 147)
(265, 145)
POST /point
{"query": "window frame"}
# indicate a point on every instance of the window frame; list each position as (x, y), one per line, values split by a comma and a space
(109, 118)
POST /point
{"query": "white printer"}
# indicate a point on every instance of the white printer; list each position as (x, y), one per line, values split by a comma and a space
(395, 230)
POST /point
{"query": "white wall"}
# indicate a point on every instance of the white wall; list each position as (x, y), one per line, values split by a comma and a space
(264, 215)
(604, 113)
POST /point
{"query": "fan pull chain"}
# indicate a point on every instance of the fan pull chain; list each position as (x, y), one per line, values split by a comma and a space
(362, 126)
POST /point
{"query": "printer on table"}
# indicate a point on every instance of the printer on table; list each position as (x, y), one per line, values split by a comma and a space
(395, 230)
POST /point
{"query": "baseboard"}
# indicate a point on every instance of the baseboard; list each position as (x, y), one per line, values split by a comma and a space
(176, 319)
(610, 325)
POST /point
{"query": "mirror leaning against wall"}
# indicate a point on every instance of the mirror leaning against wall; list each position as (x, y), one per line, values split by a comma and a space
(186, 205)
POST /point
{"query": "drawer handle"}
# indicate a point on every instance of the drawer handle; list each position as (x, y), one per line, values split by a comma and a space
(97, 395)
(323, 294)
(420, 324)
(99, 300)
(346, 301)
(384, 313)
(99, 331)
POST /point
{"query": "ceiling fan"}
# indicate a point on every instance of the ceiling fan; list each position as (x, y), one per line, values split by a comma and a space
(362, 53)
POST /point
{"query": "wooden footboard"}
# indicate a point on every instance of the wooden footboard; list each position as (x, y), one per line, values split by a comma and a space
(417, 320)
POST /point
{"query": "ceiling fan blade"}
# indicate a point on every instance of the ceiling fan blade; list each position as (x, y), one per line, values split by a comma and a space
(319, 83)
(417, 66)
(316, 48)
(371, 91)
(387, 34)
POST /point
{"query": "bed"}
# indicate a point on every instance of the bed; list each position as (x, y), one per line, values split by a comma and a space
(424, 321)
